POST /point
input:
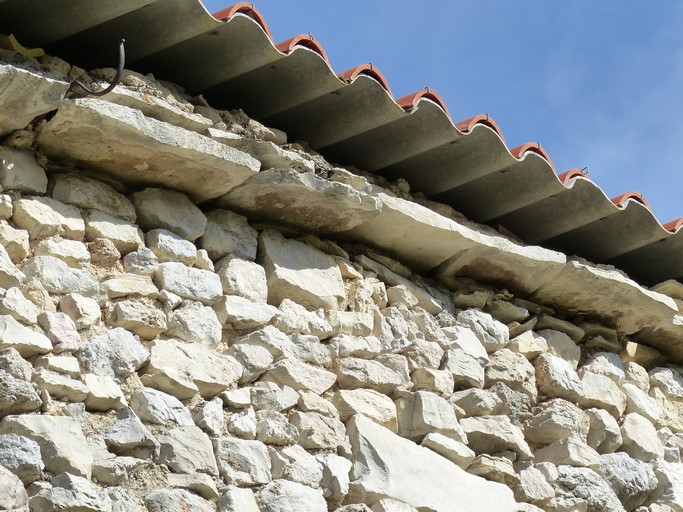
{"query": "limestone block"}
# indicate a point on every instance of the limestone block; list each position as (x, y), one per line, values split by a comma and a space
(189, 283)
(43, 217)
(422, 412)
(300, 376)
(243, 462)
(430, 481)
(17, 396)
(607, 364)
(15, 242)
(26, 95)
(512, 369)
(243, 424)
(640, 402)
(131, 147)
(126, 236)
(168, 500)
(467, 372)
(529, 344)
(284, 496)
(299, 272)
(310, 402)
(273, 428)
(142, 262)
(157, 407)
(85, 192)
(61, 387)
(440, 382)
(21, 456)
(641, 354)
(115, 353)
(67, 365)
(669, 381)
(211, 372)
(376, 406)
(555, 377)
(493, 434)
(82, 310)
(640, 439)
(604, 434)
(495, 469)
(632, 480)
(303, 200)
(200, 483)
(272, 396)
(62, 444)
(168, 209)
(465, 339)
(61, 330)
(210, 416)
(244, 278)
(141, 319)
(27, 342)
(335, 480)
(238, 499)
(399, 294)
(532, 486)
(5, 206)
(569, 451)
(295, 318)
(14, 303)
(240, 313)
(104, 394)
(187, 450)
(125, 285)
(196, 323)
(129, 437)
(669, 491)
(364, 347)
(57, 277)
(600, 391)
(12, 362)
(455, 451)
(636, 375)
(228, 234)
(492, 334)
(103, 252)
(296, 464)
(318, 432)
(423, 354)
(72, 252)
(555, 420)
(354, 373)
(19, 171)
(353, 323)
(10, 275)
(476, 402)
(168, 246)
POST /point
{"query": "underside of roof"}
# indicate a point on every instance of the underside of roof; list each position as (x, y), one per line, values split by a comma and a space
(352, 118)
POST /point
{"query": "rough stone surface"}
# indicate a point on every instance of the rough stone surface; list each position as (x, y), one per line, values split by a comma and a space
(43, 217)
(189, 283)
(26, 341)
(228, 233)
(640, 439)
(167, 209)
(15, 241)
(374, 405)
(286, 496)
(493, 434)
(356, 373)
(555, 377)
(20, 171)
(555, 420)
(604, 434)
(85, 192)
(115, 353)
(126, 236)
(491, 333)
(57, 277)
(632, 480)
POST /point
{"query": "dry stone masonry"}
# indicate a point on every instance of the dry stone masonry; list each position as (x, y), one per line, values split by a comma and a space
(198, 315)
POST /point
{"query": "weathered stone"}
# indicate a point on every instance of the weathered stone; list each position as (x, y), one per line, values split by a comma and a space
(210, 371)
(103, 252)
(201, 483)
(356, 373)
(17, 396)
(62, 444)
(423, 354)
(476, 402)
(67, 365)
(27, 342)
(632, 480)
(15, 242)
(168, 209)
(440, 382)
(20, 171)
(57, 277)
(529, 344)
(243, 462)
(493, 434)
(126, 285)
(196, 323)
(506, 312)
(378, 453)
(176, 500)
(19, 307)
(492, 334)
(243, 423)
(73, 253)
(640, 402)
(335, 479)
(295, 318)
(21, 456)
(115, 353)
(126, 236)
(495, 469)
(187, 450)
(12, 490)
(555, 377)
(399, 294)
(555, 420)
(641, 354)
(10, 275)
(670, 410)
(244, 278)
(318, 432)
(128, 436)
(86, 192)
(296, 464)
(286, 496)
(455, 451)
(512, 369)
(168, 246)
(43, 217)
(228, 233)
(60, 386)
(157, 407)
(301, 376)
(601, 391)
(637, 375)
(68, 492)
(569, 451)
(301, 273)
(272, 396)
(189, 283)
(237, 499)
(272, 427)
(241, 314)
(605, 363)
(61, 330)
(142, 262)
(669, 381)
(26, 95)
(532, 486)
(669, 491)
(352, 323)
(604, 434)
(640, 439)
(12, 363)
(145, 150)
(467, 372)
(5, 206)
(374, 405)
(422, 412)
(104, 394)
(84, 311)
(582, 489)
(465, 339)
(141, 319)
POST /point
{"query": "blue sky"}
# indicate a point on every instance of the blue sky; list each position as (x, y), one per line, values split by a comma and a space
(598, 84)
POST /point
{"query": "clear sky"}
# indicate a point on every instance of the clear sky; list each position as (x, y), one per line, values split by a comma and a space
(598, 84)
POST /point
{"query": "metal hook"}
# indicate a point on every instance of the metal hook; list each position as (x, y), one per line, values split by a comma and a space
(117, 77)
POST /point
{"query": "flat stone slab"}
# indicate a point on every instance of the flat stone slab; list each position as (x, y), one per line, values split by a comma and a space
(303, 200)
(24, 96)
(136, 149)
(388, 466)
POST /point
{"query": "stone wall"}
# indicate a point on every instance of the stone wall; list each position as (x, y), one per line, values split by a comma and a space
(174, 335)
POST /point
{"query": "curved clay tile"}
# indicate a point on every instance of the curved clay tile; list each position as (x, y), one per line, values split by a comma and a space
(366, 69)
(305, 40)
(467, 125)
(622, 199)
(247, 9)
(674, 225)
(571, 174)
(411, 100)
(531, 147)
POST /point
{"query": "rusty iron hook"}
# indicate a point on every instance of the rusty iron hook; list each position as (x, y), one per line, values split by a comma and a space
(117, 77)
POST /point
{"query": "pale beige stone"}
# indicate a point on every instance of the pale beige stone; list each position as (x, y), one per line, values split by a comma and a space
(601, 391)
(73, 253)
(374, 405)
(15, 242)
(43, 217)
(571, 452)
(20, 171)
(640, 439)
(86, 192)
(126, 236)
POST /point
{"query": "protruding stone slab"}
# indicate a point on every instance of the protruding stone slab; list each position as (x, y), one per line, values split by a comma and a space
(158, 208)
(428, 482)
(27, 342)
(20, 171)
(303, 200)
(24, 96)
(134, 148)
